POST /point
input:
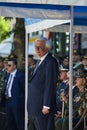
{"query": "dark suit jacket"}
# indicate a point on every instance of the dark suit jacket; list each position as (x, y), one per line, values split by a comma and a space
(42, 86)
(17, 91)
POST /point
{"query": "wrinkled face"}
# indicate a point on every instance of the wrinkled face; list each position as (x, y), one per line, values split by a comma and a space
(11, 66)
(40, 48)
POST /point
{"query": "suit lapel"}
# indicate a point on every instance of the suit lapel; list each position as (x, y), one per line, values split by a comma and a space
(42, 64)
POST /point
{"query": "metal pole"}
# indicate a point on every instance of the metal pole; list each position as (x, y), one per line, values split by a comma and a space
(71, 70)
(26, 80)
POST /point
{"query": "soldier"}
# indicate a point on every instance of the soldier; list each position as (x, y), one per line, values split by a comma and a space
(84, 63)
(3, 73)
(79, 103)
(31, 66)
(22, 67)
(65, 62)
(5, 63)
(62, 87)
(61, 91)
(77, 64)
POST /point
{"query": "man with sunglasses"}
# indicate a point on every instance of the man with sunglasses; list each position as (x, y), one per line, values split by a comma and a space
(42, 87)
(14, 96)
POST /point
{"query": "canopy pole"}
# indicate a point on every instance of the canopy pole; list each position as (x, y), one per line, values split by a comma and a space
(71, 70)
(26, 80)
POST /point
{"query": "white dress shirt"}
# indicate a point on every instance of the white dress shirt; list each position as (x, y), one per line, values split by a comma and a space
(42, 58)
(10, 86)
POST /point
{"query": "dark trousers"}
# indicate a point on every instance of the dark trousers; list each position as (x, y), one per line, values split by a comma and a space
(31, 125)
(44, 122)
(15, 116)
(3, 121)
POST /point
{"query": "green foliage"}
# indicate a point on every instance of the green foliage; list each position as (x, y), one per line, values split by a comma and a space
(4, 28)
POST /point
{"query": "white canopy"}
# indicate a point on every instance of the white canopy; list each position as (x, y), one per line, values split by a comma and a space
(61, 2)
(38, 24)
(66, 28)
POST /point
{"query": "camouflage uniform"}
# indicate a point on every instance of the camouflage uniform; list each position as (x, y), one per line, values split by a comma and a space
(3, 74)
(3, 122)
(79, 106)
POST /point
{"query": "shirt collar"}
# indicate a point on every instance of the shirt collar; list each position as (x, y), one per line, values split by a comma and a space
(65, 81)
(14, 72)
(43, 57)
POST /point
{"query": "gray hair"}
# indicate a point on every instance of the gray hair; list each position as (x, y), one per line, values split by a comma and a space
(47, 41)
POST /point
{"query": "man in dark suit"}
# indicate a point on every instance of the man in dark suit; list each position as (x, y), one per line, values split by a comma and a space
(14, 96)
(42, 87)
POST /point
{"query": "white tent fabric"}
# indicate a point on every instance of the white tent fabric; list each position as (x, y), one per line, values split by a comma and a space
(66, 28)
(32, 11)
(6, 46)
(62, 2)
(5, 49)
(42, 24)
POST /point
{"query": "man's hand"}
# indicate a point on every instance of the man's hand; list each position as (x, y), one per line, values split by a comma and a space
(58, 114)
(45, 111)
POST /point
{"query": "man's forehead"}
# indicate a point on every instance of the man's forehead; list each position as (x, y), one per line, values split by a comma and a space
(40, 43)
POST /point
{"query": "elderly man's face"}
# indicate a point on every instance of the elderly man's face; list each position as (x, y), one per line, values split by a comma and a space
(40, 48)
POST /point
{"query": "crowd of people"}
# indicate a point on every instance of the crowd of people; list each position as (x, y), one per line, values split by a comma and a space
(48, 90)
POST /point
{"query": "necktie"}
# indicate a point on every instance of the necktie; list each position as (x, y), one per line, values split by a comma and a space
(8, 85)
(37, 65)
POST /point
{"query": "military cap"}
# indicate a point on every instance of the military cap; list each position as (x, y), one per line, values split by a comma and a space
(1, 58)
(81, 74)
(12, 56)
(64, 69)
(76, 52)
(5, 59)
(30, 56)
(84, 57)
(66, 57)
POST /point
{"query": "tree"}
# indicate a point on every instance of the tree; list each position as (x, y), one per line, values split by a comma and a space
(4, 28)
(19, 39)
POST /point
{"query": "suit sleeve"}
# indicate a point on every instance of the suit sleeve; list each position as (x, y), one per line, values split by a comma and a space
(51, 73)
